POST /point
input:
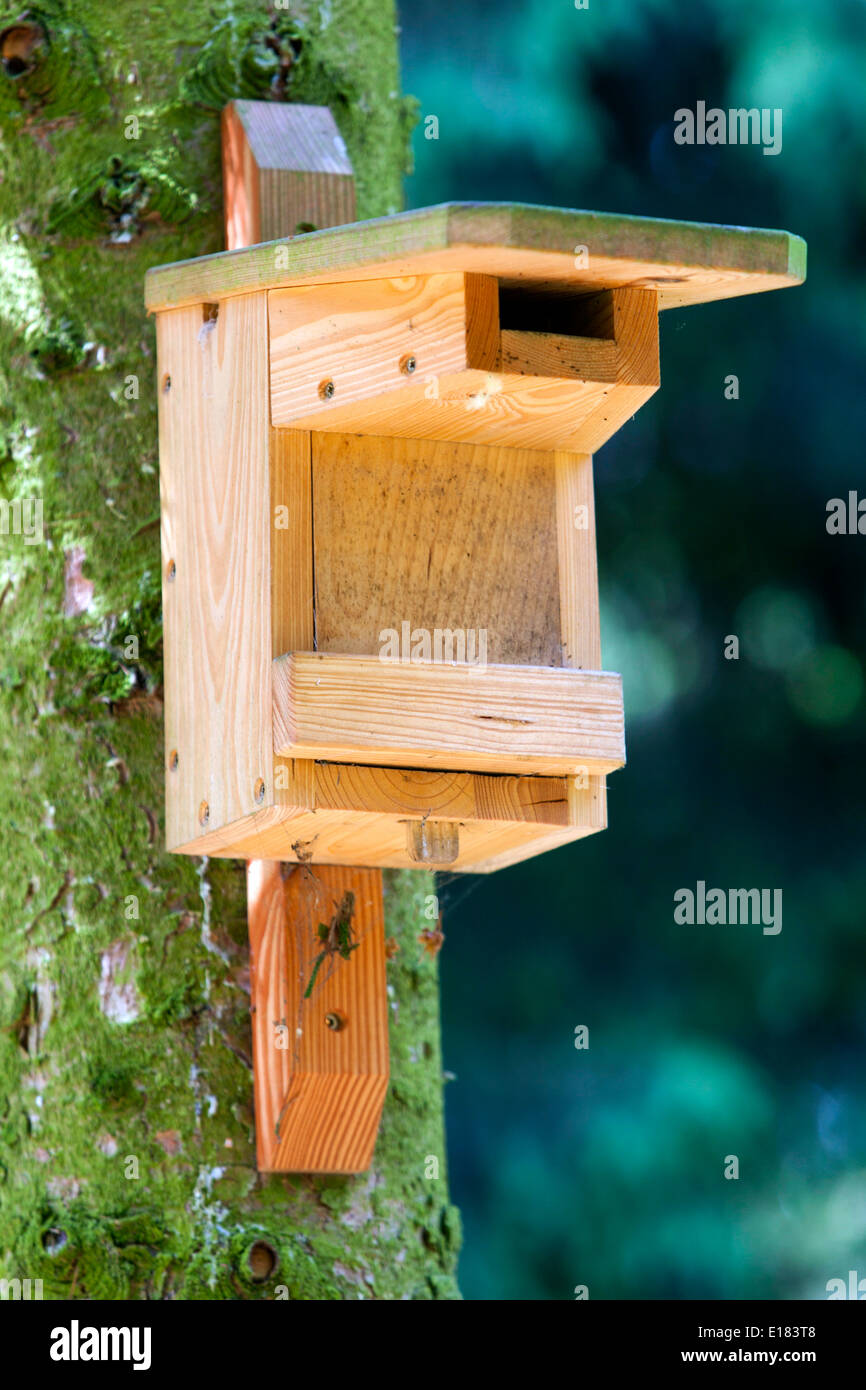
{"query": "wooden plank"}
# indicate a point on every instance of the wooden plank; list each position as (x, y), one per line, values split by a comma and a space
(375, 839)
(442, 536)
(558, 355)
(502, 409)
(291, 523)
(357, 708)
(285, 168)
(420, 793)
(355, 341)
(215, 545)
(318, 1100)
(349, 814)
(271, 1009)
(330, 1114)
(635, 314)
(338, 355)
(579, 612)
(689, 262)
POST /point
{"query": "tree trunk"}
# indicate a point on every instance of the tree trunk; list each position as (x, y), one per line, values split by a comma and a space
(127, 1154)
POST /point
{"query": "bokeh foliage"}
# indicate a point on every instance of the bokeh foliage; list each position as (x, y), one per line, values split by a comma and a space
(605, 1167)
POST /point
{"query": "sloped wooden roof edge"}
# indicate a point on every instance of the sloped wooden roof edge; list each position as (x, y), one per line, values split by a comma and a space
(689, 262)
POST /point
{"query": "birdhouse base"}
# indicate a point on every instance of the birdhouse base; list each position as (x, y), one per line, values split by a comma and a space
(345, 813)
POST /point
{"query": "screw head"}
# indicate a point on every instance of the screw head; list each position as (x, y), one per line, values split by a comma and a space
(334, 1022)
(173, 760)
(171, 571)
(259, 791)
(326, 390)
(408, 364)
(203, 813)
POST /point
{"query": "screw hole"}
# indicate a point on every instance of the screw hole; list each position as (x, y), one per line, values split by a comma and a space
(334, 1022)
(173, 760)
(326, 390)
(203, 813)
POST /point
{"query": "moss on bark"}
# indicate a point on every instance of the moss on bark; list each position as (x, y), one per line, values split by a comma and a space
(127, 1161)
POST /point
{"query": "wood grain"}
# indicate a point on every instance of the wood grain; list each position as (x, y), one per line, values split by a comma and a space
(558, 355)
(358, 338)
(497, 719)
(338, 356)
(417, 793)
(443, 536)
(635, 317)
(291, 530)
(688, 262)
(319, 1091)
(285, 167)
(215, 542)
(364, 838)
(272, 1009)
(579, 610)
(500, 408)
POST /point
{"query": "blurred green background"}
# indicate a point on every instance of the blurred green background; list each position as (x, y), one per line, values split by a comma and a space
(605, 1167)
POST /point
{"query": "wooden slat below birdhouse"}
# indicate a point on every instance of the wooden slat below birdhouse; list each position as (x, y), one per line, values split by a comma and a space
(319, 1014)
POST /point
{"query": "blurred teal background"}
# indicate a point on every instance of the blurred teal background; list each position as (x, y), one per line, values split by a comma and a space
(605, 1167)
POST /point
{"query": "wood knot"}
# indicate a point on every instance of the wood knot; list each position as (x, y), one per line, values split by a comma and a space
(19, 44)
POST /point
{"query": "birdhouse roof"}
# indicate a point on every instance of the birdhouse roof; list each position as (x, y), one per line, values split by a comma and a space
(536, 248)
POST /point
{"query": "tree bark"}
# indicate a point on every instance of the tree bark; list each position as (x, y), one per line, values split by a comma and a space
(127, 1154)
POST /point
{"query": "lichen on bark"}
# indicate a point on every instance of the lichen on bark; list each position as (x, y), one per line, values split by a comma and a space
(127, 1158)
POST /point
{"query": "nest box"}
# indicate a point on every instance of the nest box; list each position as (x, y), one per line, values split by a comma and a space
(380, 596)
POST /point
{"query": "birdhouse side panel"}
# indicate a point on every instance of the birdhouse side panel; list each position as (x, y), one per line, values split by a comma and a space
(579, 610)
(214, 482)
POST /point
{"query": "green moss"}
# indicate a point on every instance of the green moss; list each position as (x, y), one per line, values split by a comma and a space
(60, 73)
(118, 195)
(254, 56)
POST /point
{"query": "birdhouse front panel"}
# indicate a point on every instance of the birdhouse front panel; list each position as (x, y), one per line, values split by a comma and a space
(381, 605)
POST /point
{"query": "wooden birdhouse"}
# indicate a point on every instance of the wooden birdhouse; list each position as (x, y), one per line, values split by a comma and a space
(380, 599)
(382, 639)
